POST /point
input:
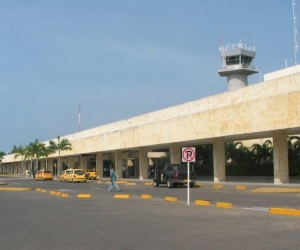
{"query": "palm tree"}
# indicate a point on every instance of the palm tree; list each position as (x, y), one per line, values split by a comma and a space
(37, 150)
(20, 151)
(61, 145)
(46, 151)
(294, 152)
(232, 151)
(29, 154)
(1, 158)
(263, 152)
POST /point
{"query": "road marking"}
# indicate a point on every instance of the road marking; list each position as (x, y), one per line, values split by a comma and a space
(66, 190)
(263, 209)
(246, 199)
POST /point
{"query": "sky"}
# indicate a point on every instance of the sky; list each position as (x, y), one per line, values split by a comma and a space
(117, 59)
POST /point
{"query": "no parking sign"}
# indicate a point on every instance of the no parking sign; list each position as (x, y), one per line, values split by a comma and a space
(188, 154)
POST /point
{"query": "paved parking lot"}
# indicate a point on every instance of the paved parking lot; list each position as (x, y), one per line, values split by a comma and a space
(35, 219)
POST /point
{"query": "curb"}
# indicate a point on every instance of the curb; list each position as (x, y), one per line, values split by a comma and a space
(224, 205)
(84, 195)
(276, 190)
(171, 199)
(146, 196)
(122, 196)
(284, 211)
(202, 203)
(15, 189)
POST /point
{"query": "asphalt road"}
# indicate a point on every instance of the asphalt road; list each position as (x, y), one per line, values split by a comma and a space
(36, 220)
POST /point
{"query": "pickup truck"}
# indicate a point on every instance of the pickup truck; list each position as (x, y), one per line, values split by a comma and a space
(173, 175)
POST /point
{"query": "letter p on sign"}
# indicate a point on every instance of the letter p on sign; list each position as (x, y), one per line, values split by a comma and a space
(188, 154)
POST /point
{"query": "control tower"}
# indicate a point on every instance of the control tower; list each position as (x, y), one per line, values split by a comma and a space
(237, 59)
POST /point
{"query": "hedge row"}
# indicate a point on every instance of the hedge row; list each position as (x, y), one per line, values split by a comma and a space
(265, 169)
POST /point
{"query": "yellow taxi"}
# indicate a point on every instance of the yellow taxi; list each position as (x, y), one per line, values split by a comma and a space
(63, 176)
(76, 175)
(91, 174)
(43, 175)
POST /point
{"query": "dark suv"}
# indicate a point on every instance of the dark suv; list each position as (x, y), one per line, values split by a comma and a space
(173, 175)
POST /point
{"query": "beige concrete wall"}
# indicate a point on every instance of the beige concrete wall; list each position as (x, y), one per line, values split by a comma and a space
(248, 113)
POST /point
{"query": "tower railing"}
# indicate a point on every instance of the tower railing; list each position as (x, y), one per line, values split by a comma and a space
(238, 66)
(233, 46)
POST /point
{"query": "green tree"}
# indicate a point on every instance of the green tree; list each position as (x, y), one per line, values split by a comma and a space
(232, 151)
(262, 152)
(20, 151)
(29, 154)
(46, 151)
(61, 145)
(1, 158)
(37, 149)
(294, 154)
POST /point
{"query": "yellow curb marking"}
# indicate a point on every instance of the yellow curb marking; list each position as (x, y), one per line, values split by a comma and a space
(240, 187)
(224, 205)
(130, 184)
(39, 189)
(53, 192)
(64, 195)
(276, 190)
(43, 191)
(58, 193)
(198, 185)
(148, 183)
(172, 199)
(121, 182)
(218, 186)
(202, 203)
(284, 211)
(146, 196)
(84, 195)
(15, 189)
(121, 196)
(108, 182)
(99, 182)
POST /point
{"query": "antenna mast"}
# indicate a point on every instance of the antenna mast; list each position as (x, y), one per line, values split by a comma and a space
(79, 118)
(295, 32)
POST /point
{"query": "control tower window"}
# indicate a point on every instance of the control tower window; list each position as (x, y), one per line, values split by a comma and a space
(246, 60)
(232, 60)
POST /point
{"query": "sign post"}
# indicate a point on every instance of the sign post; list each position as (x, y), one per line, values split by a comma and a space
(188, 155)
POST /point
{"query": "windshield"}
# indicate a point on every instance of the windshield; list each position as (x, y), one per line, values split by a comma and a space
(47, 172)
(79, 172)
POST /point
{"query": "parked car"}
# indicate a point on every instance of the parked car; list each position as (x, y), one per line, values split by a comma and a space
(43, 175)
(76, 175)
(63, 176)
(91, 174)
(173, 175)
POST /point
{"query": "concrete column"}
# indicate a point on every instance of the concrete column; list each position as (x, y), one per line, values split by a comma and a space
(99, 164)
(175, 151)
(83, 162)
(136, 164)
(71, 161)
(118, 162)
(50, 165)
(143, 163)
(219, 159)
(280, 157)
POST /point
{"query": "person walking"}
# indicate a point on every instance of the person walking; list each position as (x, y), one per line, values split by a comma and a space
(113, 178)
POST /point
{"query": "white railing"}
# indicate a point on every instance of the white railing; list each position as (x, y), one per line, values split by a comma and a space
(239, 66)
(232, 46)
